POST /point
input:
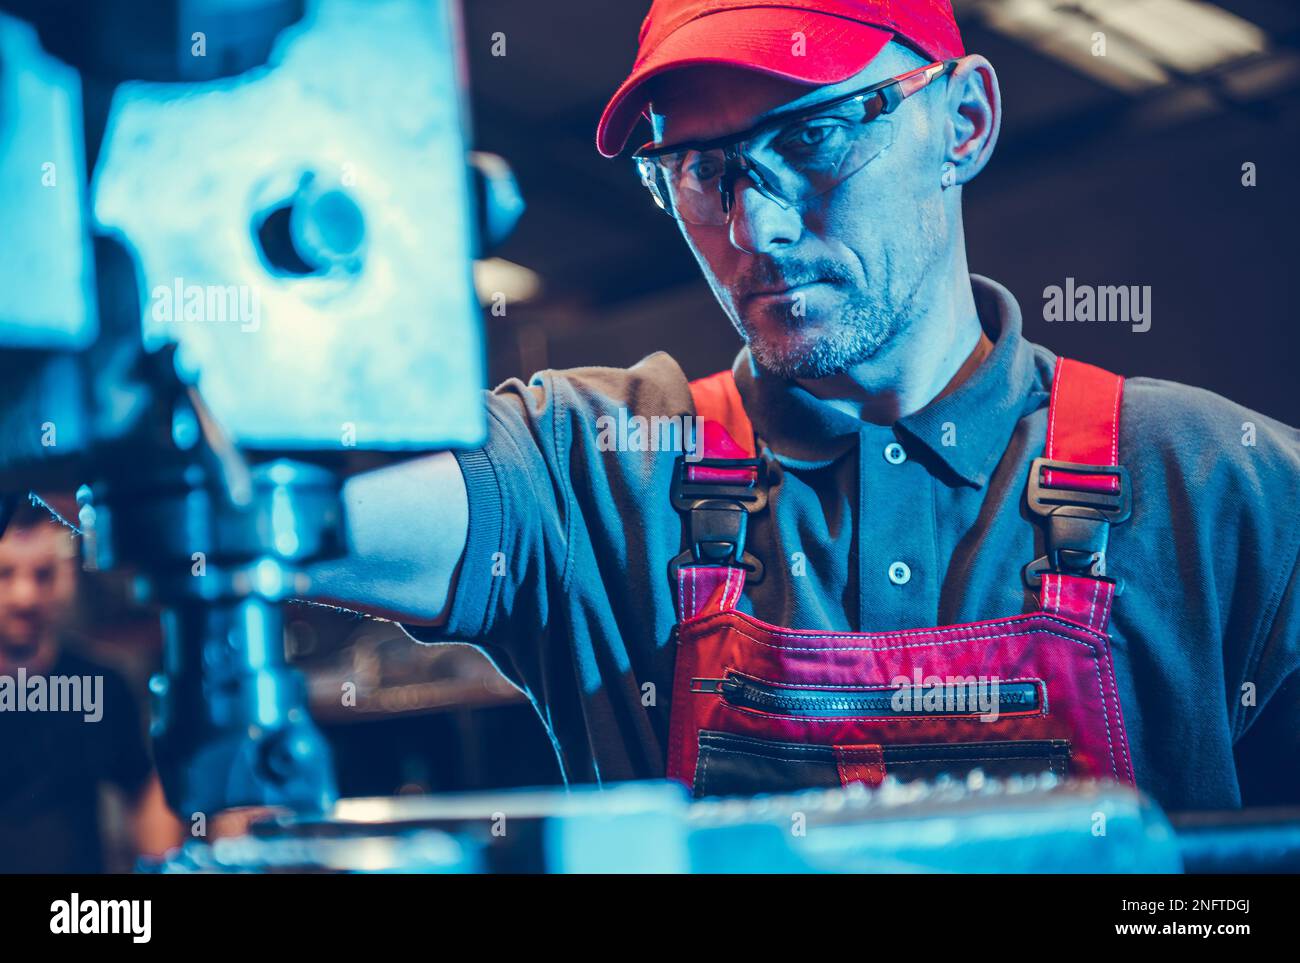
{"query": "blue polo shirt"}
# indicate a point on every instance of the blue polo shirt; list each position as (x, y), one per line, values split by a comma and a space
(564, 582)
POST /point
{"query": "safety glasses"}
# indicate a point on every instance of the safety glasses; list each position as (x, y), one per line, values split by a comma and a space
(789, 158)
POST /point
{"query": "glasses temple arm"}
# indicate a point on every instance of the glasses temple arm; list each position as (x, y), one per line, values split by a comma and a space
(912, 82)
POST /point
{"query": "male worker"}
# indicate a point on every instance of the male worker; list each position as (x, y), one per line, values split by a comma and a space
(904, 501)
(67, 723)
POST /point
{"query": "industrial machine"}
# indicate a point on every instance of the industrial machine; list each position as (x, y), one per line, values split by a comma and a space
(210, 211)
(1032, 824)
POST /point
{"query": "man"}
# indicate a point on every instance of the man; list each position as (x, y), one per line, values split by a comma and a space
(814, 153)
(67, 724)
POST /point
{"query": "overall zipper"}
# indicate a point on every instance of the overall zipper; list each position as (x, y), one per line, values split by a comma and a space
(941, 700)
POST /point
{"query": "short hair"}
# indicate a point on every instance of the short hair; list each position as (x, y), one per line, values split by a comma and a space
(28, 515)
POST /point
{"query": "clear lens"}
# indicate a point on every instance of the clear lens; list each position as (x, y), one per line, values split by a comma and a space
(790, 162)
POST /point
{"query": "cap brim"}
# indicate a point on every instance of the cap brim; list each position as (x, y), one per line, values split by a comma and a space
(765, 40)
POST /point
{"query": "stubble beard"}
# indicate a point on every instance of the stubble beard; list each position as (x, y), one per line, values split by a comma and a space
(856, 334)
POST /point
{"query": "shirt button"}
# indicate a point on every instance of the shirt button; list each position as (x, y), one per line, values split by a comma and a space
(894, 453)
(899, 573)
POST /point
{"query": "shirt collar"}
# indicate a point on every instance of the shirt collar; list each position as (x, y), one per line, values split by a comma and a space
(967, 431)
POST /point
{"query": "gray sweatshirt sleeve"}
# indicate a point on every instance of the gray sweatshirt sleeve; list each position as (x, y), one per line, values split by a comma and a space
(553, 496)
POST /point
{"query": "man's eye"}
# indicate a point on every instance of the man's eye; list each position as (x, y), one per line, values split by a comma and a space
(703, 167)
(808, 137)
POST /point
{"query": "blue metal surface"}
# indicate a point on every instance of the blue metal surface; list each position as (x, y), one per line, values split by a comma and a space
(1023, 824)
(304, 233)
(46, 274)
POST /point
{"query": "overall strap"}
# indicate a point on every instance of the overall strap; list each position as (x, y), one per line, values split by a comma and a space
(717, 401)
(717, 484)
(1078, 489)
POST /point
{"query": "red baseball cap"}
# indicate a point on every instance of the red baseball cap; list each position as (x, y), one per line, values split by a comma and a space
(839, 38)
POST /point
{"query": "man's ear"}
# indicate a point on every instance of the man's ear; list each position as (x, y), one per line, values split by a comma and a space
(974, 116)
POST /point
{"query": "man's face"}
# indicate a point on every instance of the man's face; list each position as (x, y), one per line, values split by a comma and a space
(819, 288)
(37, 585)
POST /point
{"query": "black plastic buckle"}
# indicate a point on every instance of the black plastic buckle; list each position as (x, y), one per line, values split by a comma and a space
(718, 515)
(1114, 506)
(717, 537)
(1078, 521)
(685, 492)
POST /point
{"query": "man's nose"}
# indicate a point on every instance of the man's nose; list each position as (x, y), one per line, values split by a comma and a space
(24, 593)
(758, 224)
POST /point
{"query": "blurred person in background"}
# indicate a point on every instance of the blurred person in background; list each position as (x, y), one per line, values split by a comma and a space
(56, 760)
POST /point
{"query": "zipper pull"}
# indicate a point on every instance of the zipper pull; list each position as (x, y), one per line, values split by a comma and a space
(729, 688)
(707, 685)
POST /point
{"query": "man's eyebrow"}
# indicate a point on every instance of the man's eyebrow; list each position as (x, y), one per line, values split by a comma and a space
(793, 108)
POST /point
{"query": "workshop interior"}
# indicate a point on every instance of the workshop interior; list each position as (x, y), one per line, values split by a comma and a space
(394, 205)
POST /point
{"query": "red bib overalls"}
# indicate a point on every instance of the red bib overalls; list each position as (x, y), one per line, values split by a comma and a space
(760, 708)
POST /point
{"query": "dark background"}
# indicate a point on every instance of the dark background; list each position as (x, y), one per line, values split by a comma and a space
(1090, 180)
